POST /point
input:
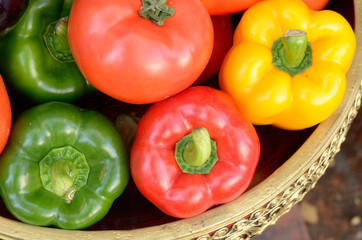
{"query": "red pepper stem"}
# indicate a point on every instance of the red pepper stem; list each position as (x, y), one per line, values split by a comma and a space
(156, 10)
(196, 152)
(63, 171)
(295, 45)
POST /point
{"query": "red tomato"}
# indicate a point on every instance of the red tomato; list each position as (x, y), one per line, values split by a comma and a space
(217, 7)
(223, 40)
(132, 59)
(5, 115)
(224, 7)
(316, 4)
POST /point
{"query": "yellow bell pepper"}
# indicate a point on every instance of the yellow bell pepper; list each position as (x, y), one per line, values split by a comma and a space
(288, 64)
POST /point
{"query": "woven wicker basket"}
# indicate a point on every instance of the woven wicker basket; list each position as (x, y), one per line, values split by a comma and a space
(281, 179)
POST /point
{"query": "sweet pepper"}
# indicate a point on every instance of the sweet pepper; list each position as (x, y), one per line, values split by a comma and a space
(35, 56)
(288, 64)
(63, 166)
(193, 150)
(5, 115)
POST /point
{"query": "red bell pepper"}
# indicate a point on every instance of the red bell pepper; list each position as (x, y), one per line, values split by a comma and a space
(193, 150)
(5, 115)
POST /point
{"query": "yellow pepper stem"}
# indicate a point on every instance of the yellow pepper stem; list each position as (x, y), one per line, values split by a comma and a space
(292, 53)
(295, 45)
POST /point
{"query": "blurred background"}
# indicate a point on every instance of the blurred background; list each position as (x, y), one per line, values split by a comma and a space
(333, 209)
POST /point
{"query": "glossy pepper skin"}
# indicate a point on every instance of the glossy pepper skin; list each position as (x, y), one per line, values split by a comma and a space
(178, 189)
(268, 95)
(5, 115)
(27, 63)
(63, 166)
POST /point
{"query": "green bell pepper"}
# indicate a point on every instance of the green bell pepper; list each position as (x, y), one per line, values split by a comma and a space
(35, 56)
(63, 166)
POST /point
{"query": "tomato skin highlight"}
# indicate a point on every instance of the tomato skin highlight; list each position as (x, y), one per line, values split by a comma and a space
(132, 59)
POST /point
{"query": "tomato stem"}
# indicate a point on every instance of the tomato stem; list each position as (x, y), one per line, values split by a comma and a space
(292, 53)
(156, 10)
(196, 152)
(63, 171)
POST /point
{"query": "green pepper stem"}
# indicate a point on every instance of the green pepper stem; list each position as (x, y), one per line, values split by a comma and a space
(292, 53)
(62, 182)
(196, 152)
(56, 41)
(295, 45)
(64, 171)
(156, 10)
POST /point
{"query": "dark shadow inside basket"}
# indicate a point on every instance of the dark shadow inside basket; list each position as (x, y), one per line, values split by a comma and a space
(132, 211)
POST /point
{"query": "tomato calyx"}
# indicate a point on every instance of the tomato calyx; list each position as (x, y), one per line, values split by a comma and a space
(196, 152)
(56, 40)
(156, 10)
(292, 53)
